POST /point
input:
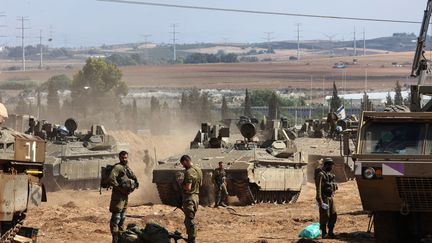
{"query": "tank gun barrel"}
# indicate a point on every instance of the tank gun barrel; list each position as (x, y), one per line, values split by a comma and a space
(248, 130)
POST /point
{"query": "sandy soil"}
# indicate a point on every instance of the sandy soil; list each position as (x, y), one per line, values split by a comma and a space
(82, 216)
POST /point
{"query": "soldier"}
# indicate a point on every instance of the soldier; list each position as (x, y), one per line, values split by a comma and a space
(149, 162)
(221, 193)
(191, 188)
(325, 189)
(123, 182)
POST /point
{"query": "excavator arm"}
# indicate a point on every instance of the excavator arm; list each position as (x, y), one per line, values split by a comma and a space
(420, 62)
(421, 67)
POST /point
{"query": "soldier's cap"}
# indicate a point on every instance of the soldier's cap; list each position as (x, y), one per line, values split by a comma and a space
(328, 161)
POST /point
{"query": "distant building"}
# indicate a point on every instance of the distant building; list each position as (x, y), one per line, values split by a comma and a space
(375, 97)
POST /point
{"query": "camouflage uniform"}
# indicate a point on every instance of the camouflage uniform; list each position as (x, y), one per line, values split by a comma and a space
(194, 176)
(123, 182)
(221, 193)
(325, 189)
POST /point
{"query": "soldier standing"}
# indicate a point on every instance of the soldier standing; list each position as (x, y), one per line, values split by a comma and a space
(325, 189)
(123, 182)
(221, 193)
(191, 187)
(149, 162)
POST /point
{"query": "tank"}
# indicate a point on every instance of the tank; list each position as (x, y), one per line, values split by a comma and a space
(73, 159)
(267, 170)
(315, 149)
(22, 158)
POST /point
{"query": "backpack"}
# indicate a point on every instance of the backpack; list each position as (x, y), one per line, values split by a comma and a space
(105, 176)
(154, 233)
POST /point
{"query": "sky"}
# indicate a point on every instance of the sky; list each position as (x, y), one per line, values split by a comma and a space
(75, 23)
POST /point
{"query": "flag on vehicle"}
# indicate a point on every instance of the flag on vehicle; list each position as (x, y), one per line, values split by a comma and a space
(341, 112)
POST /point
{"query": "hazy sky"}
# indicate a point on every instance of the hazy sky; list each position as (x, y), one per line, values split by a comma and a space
(89, 22)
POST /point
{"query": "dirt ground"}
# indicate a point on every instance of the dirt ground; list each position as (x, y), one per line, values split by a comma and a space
(82, 216)
(281, 75)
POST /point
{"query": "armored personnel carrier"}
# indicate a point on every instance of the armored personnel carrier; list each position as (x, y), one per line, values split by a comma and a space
(393, 159)
(21, 168)
(73, 159)
(269, 170)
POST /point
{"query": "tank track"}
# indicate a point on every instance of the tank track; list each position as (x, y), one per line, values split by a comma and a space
(9, 235)
(249, 194)
(168, 194)
(243, 192)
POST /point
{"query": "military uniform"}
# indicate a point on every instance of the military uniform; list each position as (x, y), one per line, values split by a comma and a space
(123, 182)
(221, 193)
(325, 188)
(193, 175)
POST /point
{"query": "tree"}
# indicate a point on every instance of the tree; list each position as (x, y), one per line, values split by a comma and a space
(224, 109)
(98, 86)
(21, 107)
(398, 99)
(154, 106)
(247, 105)
(57, 82)
(273, 107)
(53, 102)
(407, 100)
(205, 107)
(335, 101)
(389, 100)
(366, 104)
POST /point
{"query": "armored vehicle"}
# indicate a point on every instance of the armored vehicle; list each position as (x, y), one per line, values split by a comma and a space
(21, 168)
(393, 160)
(268, 170)
(73, 159)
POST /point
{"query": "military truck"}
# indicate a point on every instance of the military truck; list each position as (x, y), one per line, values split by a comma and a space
(393, 160)
(268, 170)
(73, 159)
(21, 168)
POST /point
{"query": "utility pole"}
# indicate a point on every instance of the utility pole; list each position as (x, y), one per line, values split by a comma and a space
(330, 37)
(1, 26)
(41, 50)
(146, 47)
(269, 38)
(366, 79)
(355, 42)
(298, 41)
(174, 33)
(364, 41)
(23, 28)
(310, 97)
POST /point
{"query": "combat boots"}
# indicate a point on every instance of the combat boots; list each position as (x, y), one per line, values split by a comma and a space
(331, 234)
(115, 238)
(191, 240)
(324, 233)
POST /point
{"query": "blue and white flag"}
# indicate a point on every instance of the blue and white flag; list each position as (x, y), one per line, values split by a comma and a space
(341, 112)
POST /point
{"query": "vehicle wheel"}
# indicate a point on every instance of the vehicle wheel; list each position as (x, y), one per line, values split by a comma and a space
(385, 227)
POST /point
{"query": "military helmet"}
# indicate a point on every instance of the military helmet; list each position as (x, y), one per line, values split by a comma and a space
(328, 161)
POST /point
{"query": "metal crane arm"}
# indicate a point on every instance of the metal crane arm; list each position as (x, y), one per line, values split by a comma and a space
(420, 63)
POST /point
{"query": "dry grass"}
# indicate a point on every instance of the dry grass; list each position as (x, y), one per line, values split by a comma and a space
(381, 74)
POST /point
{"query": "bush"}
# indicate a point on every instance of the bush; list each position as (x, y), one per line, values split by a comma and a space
(18, 85)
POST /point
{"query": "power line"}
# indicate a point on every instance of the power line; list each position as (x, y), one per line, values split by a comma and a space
(260, 12)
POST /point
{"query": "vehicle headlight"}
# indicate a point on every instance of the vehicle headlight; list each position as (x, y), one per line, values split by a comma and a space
(369, 173)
